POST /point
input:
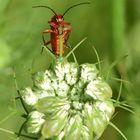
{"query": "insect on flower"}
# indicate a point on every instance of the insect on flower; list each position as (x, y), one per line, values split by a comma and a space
(59, 32)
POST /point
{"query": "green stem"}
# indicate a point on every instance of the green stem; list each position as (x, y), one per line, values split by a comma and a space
(61, 41)
(118, 26)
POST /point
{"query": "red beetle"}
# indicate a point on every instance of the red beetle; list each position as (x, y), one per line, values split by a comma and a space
(59, 32)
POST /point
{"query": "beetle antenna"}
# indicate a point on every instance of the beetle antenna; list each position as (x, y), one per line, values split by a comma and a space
(75, 6)
(45, 7)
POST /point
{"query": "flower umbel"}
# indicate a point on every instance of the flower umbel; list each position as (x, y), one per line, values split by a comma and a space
(68, 102)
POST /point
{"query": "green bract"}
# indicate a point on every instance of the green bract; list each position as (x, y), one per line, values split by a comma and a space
(68, 102)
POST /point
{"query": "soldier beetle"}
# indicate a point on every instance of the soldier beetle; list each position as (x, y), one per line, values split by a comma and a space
(59, 32)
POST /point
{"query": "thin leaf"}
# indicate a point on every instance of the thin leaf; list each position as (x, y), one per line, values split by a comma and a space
(18, 91)
(127, 109)
(117, 129)
(98, 59)
(7, 131)
(75, 48)
(117, 79)
(114, 64)
(74, 57)
(6, 118)
(120, 91)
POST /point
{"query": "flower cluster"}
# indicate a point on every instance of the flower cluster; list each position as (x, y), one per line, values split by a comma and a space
(68, 102)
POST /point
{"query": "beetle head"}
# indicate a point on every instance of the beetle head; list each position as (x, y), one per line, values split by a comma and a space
(58, 19)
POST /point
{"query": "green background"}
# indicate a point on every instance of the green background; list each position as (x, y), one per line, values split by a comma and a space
(111, 26)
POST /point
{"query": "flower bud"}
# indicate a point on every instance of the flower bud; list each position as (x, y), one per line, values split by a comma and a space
(35, 121)
(50, 105)
(98, 90)
(73, 128)
(29, 96)
(55, 124)
(106, 109)
(42, 80)
(88, 72)
(74, 100)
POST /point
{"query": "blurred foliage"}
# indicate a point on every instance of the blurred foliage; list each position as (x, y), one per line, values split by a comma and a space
(112, 26)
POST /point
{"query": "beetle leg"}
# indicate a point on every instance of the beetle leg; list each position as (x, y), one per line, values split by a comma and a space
(53, 24)
(66, 24)
(43, 38)
(46, 45)
(66, 33)
(45, 32)
(67, 45)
